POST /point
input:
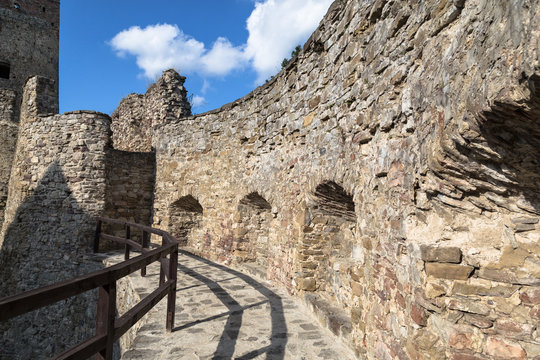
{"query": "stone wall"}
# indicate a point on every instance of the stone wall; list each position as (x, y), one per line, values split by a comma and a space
(57, 187)
(8, 139)
(398, 156)
(28, 46)
(136, 114)
(130, 187)
(46, 10)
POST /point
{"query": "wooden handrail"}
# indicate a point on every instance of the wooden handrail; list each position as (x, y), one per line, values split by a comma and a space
(108, 329)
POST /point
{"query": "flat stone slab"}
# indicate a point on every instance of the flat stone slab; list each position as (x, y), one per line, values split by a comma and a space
(224, 314)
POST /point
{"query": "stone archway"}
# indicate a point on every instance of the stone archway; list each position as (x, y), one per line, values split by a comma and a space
(325, 251)
(184, 215)
(254, 216)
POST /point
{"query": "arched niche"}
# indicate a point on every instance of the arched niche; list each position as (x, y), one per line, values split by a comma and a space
(325, 252)
(254, 216)
(184, 215)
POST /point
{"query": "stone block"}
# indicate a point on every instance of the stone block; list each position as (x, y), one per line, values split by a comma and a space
(468, 289)
(449, 271)
(530, 296)
(503, 349)
(508, 276)
(469, 306)
(525, 220)
(509, 327)
(440, 254)
(419, 315)
(524, 227)
(307, 284)
(481, 322)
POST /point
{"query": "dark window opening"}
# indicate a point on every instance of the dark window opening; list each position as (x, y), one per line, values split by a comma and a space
(4, 70)
(43, 9)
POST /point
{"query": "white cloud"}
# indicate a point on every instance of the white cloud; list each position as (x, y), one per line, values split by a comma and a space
(163, 46)
(159, 47)
(206, 86)
(275, 27)
(198, 101)
(222, 58)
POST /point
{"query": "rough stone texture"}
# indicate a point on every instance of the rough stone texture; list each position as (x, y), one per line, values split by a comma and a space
(57, 187)
(136, 114)
(130, 185)
(28, 46)
(441, 254)
(8, 139)
(130, 126)
(399, 125)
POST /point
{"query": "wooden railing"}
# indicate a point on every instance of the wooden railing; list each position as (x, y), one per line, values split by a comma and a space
(108, 328)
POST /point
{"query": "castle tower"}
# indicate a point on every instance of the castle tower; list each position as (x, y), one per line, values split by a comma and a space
(29, 33)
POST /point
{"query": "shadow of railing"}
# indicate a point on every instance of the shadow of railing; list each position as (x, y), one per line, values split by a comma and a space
(227, 342)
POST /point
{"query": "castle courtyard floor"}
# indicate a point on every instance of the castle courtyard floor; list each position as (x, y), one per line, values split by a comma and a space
(222, 313)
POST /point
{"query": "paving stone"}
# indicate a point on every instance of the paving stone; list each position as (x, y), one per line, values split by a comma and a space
(219, 324)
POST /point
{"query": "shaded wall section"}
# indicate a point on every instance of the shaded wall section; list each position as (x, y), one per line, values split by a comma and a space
(56, 189)
(130, 187)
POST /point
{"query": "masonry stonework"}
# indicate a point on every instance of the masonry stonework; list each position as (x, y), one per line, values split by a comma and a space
(57, 187)
(28, 46)
(389, 176)
(398, 155)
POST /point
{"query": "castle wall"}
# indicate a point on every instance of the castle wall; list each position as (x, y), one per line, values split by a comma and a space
(57, 187)
(130, 187)
(425, 115)
(8, 139)
(137, 114)
(28, 46)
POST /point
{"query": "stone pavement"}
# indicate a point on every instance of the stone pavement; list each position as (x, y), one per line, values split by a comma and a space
(224, 314)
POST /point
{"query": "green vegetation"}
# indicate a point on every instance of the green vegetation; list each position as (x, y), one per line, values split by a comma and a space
(294, 53)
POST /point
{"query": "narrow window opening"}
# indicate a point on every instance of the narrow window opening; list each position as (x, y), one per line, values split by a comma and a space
(4, 70)
(43, 9)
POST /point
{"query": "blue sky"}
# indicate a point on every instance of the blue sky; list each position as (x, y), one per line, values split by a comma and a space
(225, 48)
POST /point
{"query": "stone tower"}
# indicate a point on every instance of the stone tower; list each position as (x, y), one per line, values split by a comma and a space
(29, 33)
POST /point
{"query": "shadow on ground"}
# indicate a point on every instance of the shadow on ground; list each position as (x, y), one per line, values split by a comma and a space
(226, 346)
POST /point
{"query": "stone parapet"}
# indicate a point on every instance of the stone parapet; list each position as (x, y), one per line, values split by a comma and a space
(395, 156)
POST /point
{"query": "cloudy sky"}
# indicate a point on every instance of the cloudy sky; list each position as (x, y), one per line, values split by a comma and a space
(226, 48)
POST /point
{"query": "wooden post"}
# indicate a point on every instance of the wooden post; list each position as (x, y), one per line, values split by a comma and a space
(145, 242)
(105, 319)
(128, 237)
(171, 297)
(96, 237)
(161, 273)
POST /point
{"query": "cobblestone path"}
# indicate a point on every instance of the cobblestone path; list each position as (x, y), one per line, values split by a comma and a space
(224, 314)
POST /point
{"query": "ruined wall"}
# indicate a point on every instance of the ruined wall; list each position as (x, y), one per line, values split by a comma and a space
(28, 46)
(425, 115)
(131, 130)
(136, 115)
(56, 188)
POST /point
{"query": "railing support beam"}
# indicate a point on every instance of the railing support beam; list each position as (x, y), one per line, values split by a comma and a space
(105, 318)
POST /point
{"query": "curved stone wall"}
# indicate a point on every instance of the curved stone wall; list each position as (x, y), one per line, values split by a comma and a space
(427, 115)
